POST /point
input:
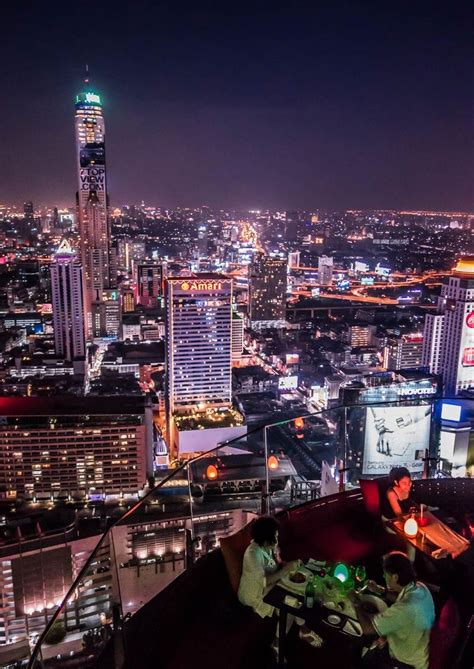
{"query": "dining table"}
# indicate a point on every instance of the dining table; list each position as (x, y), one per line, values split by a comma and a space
(433, 538)
(332, 617)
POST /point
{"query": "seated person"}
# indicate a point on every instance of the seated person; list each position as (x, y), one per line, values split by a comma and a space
(262, 567)
(397, 501)
(405, 625)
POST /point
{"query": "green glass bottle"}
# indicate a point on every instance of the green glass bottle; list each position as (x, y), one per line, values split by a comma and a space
(309, 594)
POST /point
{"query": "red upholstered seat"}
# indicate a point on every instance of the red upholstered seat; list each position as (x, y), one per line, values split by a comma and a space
(371, 494)
(444, 635)
(233, 549)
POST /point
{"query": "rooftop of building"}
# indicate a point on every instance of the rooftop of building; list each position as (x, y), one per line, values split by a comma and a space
(71, 406)
(465, 267)
(209, 419)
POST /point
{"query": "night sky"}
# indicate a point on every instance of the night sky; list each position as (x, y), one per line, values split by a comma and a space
(346, 105)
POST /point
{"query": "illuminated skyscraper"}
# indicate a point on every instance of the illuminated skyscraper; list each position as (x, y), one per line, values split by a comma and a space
(453, 330)
(325, 267)
(29, 212)
(68, 304)
(199, 322)
(150, 283)
(94, 227)
(267, 289)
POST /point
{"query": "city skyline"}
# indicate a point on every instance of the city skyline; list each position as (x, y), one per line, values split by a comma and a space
(348, 109)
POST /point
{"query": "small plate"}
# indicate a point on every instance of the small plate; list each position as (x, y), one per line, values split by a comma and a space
(334, 620)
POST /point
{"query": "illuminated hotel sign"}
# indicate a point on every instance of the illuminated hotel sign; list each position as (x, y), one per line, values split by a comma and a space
(90, 98)
(208, 284)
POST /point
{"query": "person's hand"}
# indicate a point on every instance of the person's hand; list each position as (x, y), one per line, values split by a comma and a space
(374, 587)
(353, 597)
(292, 565)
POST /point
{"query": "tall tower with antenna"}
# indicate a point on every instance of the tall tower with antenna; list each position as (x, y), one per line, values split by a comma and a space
(92, 201)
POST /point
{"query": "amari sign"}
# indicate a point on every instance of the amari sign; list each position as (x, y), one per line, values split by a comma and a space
(207, 284)
(92, 178)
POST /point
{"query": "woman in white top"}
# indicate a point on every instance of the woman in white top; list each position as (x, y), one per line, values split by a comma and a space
(262, 567)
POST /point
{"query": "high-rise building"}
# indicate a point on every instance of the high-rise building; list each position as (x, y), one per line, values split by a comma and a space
(92, 201)
(150, 283)
(199, 325)
(454, 330)
(130, 253)
(404, 352)
(267, 289)
(237, 336)
(361, 335)
(29, 212)
(128, 300)
(433, 342)
(68, 304)
(325, 268)
(294, 259)
(106, 314)
(55, 446)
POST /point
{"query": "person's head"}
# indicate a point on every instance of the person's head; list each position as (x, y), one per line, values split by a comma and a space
(401, 478)
(264, 531)
(398, 571)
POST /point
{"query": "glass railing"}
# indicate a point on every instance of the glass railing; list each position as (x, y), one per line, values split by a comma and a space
(187, 510)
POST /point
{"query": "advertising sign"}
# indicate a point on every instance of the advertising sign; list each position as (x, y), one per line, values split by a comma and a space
(392, 437)
(468, 356)
(92, 178)
(292, 358)
(465, 366)
(367, 281)
(288, 383)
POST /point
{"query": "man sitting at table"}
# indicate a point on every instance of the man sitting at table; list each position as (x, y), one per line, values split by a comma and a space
(405, 625)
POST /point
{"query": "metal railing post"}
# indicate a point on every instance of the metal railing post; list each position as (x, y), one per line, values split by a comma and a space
(266, 492)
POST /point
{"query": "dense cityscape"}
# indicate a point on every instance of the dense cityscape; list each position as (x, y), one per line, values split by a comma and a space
(169, 373)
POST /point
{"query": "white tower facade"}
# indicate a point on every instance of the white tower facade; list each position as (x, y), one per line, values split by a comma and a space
(433, 342)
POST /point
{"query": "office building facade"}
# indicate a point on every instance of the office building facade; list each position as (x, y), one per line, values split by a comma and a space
(199, 326)
(53, 447)
(267, 289)
(68, 304)
(404, 352)
(433, 343)
(150, 283)
(325, 270)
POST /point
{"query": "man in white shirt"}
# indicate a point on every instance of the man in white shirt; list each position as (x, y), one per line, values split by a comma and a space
(406, 624)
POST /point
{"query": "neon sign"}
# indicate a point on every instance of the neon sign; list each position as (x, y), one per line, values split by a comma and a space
(210, 284)
(470, 320)
(90, 98)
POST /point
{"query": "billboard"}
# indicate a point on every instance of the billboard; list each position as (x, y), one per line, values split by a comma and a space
(292, 358)
(367, 281)
(393, 435)
(92, 178)
(465, 366)
(288, 383)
